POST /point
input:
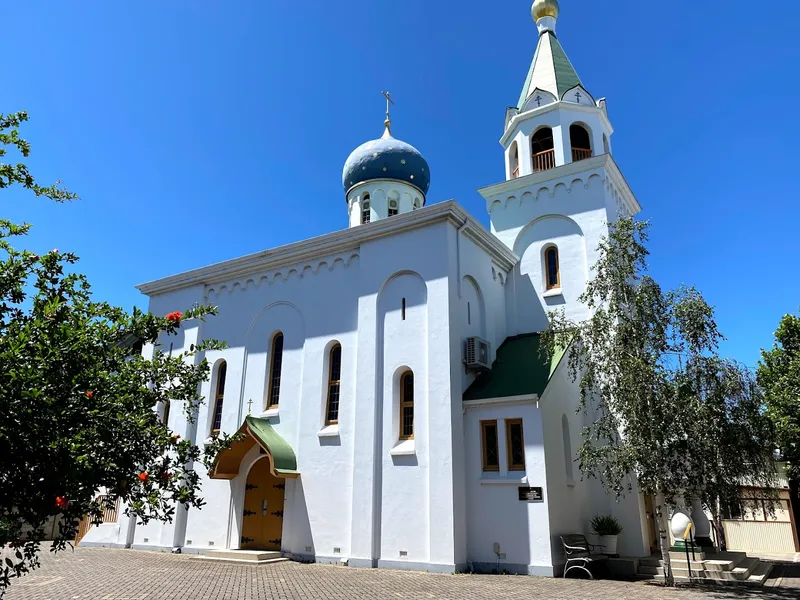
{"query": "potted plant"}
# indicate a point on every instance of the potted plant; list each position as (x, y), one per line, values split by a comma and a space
(607, 528)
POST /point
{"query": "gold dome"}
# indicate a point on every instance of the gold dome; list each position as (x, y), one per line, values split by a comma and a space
(544, 8)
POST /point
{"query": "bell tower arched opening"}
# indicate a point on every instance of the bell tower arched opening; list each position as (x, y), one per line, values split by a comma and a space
(581, 142)
(543, 153)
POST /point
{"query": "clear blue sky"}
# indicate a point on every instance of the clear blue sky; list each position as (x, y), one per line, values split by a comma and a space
(201, 130)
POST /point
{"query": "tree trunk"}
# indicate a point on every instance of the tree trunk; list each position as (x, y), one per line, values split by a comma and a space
(719, 532)
(662, 521)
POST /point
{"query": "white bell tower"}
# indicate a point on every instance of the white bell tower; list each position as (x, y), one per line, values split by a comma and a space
(562, 186)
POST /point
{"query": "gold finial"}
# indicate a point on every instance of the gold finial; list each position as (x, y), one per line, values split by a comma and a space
(388, 121)
(544, 8)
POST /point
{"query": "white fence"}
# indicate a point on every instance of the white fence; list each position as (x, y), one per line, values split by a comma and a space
(753, 537)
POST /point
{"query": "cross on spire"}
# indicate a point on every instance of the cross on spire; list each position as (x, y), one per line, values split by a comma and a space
(388, 121)
(250, 406)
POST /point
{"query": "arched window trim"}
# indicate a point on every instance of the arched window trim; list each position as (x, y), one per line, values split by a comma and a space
(366, 214)
(407, 405)
(219, 397)
(549, 284)
(275, 369)
(579, 152)
(334, 385)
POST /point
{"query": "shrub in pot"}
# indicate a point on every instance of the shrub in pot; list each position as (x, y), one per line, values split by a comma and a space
(607, 528)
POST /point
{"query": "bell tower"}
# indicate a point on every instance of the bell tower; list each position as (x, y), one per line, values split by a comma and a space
(556, 120)
(562, 187)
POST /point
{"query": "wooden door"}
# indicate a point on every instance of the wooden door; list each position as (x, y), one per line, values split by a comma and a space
(263, 509)
(649, 505)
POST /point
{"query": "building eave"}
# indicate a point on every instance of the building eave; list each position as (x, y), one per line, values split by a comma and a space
(332, 243)
(604, 161)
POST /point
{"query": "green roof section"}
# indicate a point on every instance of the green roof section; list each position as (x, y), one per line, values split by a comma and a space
(524, 94)
(520, 369)
(558, 68)
(283, 456)
(566, 77)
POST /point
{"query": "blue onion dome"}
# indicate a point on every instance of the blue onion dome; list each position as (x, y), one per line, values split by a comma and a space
(387, 158)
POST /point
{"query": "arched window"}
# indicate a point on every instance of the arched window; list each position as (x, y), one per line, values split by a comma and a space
(581, 142)
(222, 372)
(392, 208)
(568, 460)
(165, 415)
(276, 363)
(407, 406)
(543, 151)
(606, 147)
(334, 380)
(365, 209)
(514, 158)
(551, 268)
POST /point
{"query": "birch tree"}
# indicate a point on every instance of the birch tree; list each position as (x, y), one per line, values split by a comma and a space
(665, 408)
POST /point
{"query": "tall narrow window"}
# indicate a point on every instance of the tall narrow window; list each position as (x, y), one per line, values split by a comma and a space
(219, 397)
(407, 406)
(275, 371)
(334, 377)
(515, 445)
(365, 209)
(469, 314)
(489, 448)
(165, 415)
(392, 208)
(552, 274)
(403, 309)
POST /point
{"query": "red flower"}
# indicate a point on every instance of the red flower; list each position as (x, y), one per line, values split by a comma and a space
(61, 502)
(166, 475)
(89, 394)
(176, 437)
(143, 476)
(175, 317)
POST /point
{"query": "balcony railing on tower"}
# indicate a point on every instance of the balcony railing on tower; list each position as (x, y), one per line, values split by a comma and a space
(580, 154)
(515, 173)
(544, 161)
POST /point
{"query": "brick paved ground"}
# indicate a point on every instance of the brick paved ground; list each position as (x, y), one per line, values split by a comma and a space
(101, 574)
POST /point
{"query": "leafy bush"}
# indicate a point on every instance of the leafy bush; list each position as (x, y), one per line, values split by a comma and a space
(606, 525)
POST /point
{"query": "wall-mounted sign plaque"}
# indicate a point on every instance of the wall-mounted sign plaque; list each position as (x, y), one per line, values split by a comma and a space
(531, 494)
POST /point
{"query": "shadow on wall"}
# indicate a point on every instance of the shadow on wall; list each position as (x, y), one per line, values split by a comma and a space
(531, 314)
(298, 525)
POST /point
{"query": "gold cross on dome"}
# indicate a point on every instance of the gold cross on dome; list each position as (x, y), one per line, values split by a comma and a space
(389, 102)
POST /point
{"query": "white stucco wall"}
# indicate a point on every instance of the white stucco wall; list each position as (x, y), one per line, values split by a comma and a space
(495, 514)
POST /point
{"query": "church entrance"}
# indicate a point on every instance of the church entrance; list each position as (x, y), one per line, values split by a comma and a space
(262, 524)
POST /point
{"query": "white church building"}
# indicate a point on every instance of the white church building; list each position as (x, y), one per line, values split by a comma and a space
(387, 378)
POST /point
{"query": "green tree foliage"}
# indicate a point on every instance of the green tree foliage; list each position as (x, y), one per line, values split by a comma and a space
(77, 399)
(669, 415)
(779, 375)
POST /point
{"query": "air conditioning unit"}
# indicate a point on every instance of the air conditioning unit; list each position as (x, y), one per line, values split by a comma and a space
(476, 354)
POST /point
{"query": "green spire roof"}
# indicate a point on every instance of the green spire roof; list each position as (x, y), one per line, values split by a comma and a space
(550, 70)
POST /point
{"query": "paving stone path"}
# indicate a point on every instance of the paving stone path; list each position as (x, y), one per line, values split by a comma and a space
(102, 574)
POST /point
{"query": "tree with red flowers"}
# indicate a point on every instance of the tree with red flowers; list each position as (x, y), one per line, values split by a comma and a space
(77, 397)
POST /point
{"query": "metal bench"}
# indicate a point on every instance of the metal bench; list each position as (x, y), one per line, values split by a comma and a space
(580, 554)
